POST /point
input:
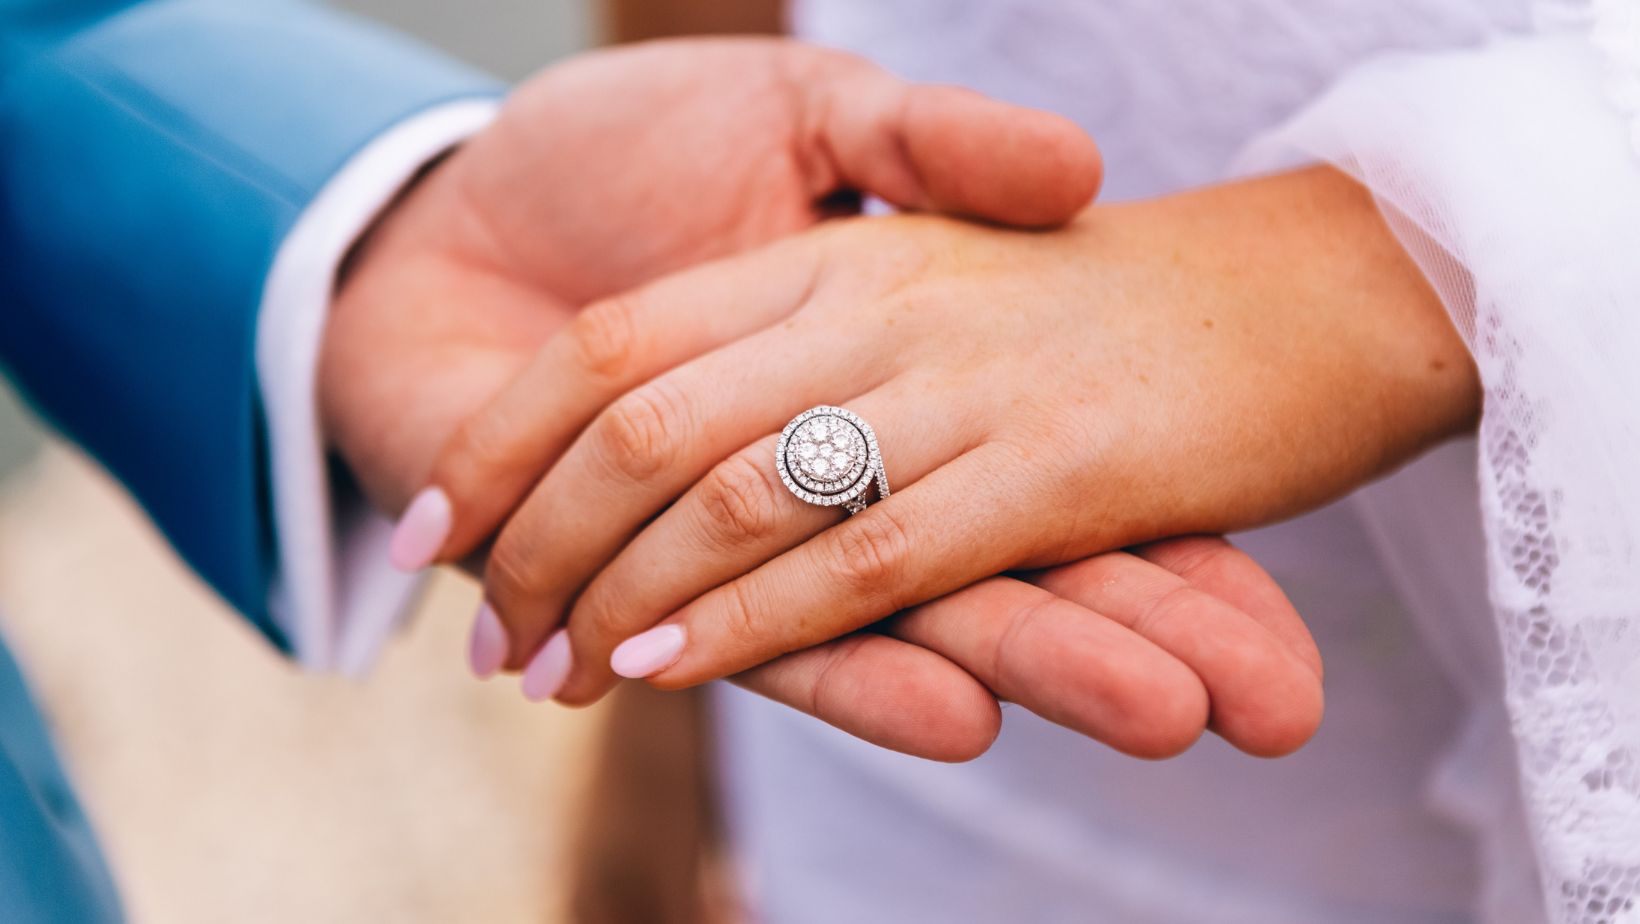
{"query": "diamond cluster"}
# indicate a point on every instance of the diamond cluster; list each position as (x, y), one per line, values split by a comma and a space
(828, 456)
(826, 453)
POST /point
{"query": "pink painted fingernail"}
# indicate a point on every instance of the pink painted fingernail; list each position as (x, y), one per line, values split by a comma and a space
(421, 531)
(548, 669)
(648, 653)
(487, 647)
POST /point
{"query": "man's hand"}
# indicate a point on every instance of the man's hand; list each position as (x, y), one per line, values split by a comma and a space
(617, 167)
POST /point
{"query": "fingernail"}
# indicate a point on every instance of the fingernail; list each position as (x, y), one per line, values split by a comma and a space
(548, 669)
(487, 647)
(421, 531)
(648, 653)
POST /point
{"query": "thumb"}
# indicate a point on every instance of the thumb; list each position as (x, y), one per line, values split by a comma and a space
(943, 149)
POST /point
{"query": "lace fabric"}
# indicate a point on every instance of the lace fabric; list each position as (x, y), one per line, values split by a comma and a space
(1510, 176)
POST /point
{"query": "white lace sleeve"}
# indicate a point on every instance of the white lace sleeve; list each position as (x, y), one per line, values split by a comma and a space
(1512, 174)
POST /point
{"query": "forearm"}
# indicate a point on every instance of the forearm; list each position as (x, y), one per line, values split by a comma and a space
(1298, 273)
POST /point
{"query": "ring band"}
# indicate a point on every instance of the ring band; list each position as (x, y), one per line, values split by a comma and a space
(828, 456)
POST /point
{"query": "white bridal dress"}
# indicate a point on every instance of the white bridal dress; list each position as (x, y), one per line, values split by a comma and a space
(1479, 611)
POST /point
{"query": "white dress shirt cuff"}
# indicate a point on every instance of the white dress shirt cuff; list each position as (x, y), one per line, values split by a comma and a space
(334, 593)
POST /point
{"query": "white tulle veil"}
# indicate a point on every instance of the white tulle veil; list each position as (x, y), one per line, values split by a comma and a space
(1512, 173)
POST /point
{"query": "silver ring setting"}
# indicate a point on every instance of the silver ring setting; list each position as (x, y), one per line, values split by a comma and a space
(828, 456)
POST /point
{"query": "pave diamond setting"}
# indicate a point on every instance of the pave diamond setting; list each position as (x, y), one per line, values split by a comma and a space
(829, 456)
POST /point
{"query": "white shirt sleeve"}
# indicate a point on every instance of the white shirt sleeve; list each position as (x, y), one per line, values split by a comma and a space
(334, 593)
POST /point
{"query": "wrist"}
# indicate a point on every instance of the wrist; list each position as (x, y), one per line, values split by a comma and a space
(373, 293)
(1354, 267)
(386, 229)
(1302, 344)
(426, 324)
(1308, 257)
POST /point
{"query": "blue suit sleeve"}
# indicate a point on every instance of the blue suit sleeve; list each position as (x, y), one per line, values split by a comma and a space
(152, 159)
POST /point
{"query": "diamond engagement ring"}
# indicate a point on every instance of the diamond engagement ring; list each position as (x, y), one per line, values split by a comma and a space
(829, 456)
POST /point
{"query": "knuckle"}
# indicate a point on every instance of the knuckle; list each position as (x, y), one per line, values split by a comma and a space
(897, 256)
(1008, 665)
(597, 619)
(477, 451)
(1162, 607)
(828, 700)
(639, 434)
(870, 550)
(1195, 558)
(742, 620)
(604, 337)
(739, 502)
(513, 573)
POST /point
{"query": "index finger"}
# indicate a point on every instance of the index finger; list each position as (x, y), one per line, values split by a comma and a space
(493, 460)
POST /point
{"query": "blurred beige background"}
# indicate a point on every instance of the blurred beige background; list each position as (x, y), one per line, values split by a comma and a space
(226, 786)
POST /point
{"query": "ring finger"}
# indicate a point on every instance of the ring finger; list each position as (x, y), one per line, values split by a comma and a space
(638, 456)
(736, 518)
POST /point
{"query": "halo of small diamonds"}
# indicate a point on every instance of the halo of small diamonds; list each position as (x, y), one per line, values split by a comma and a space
(828, 456)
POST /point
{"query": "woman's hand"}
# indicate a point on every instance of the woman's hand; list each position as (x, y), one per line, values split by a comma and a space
(1194, 364)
